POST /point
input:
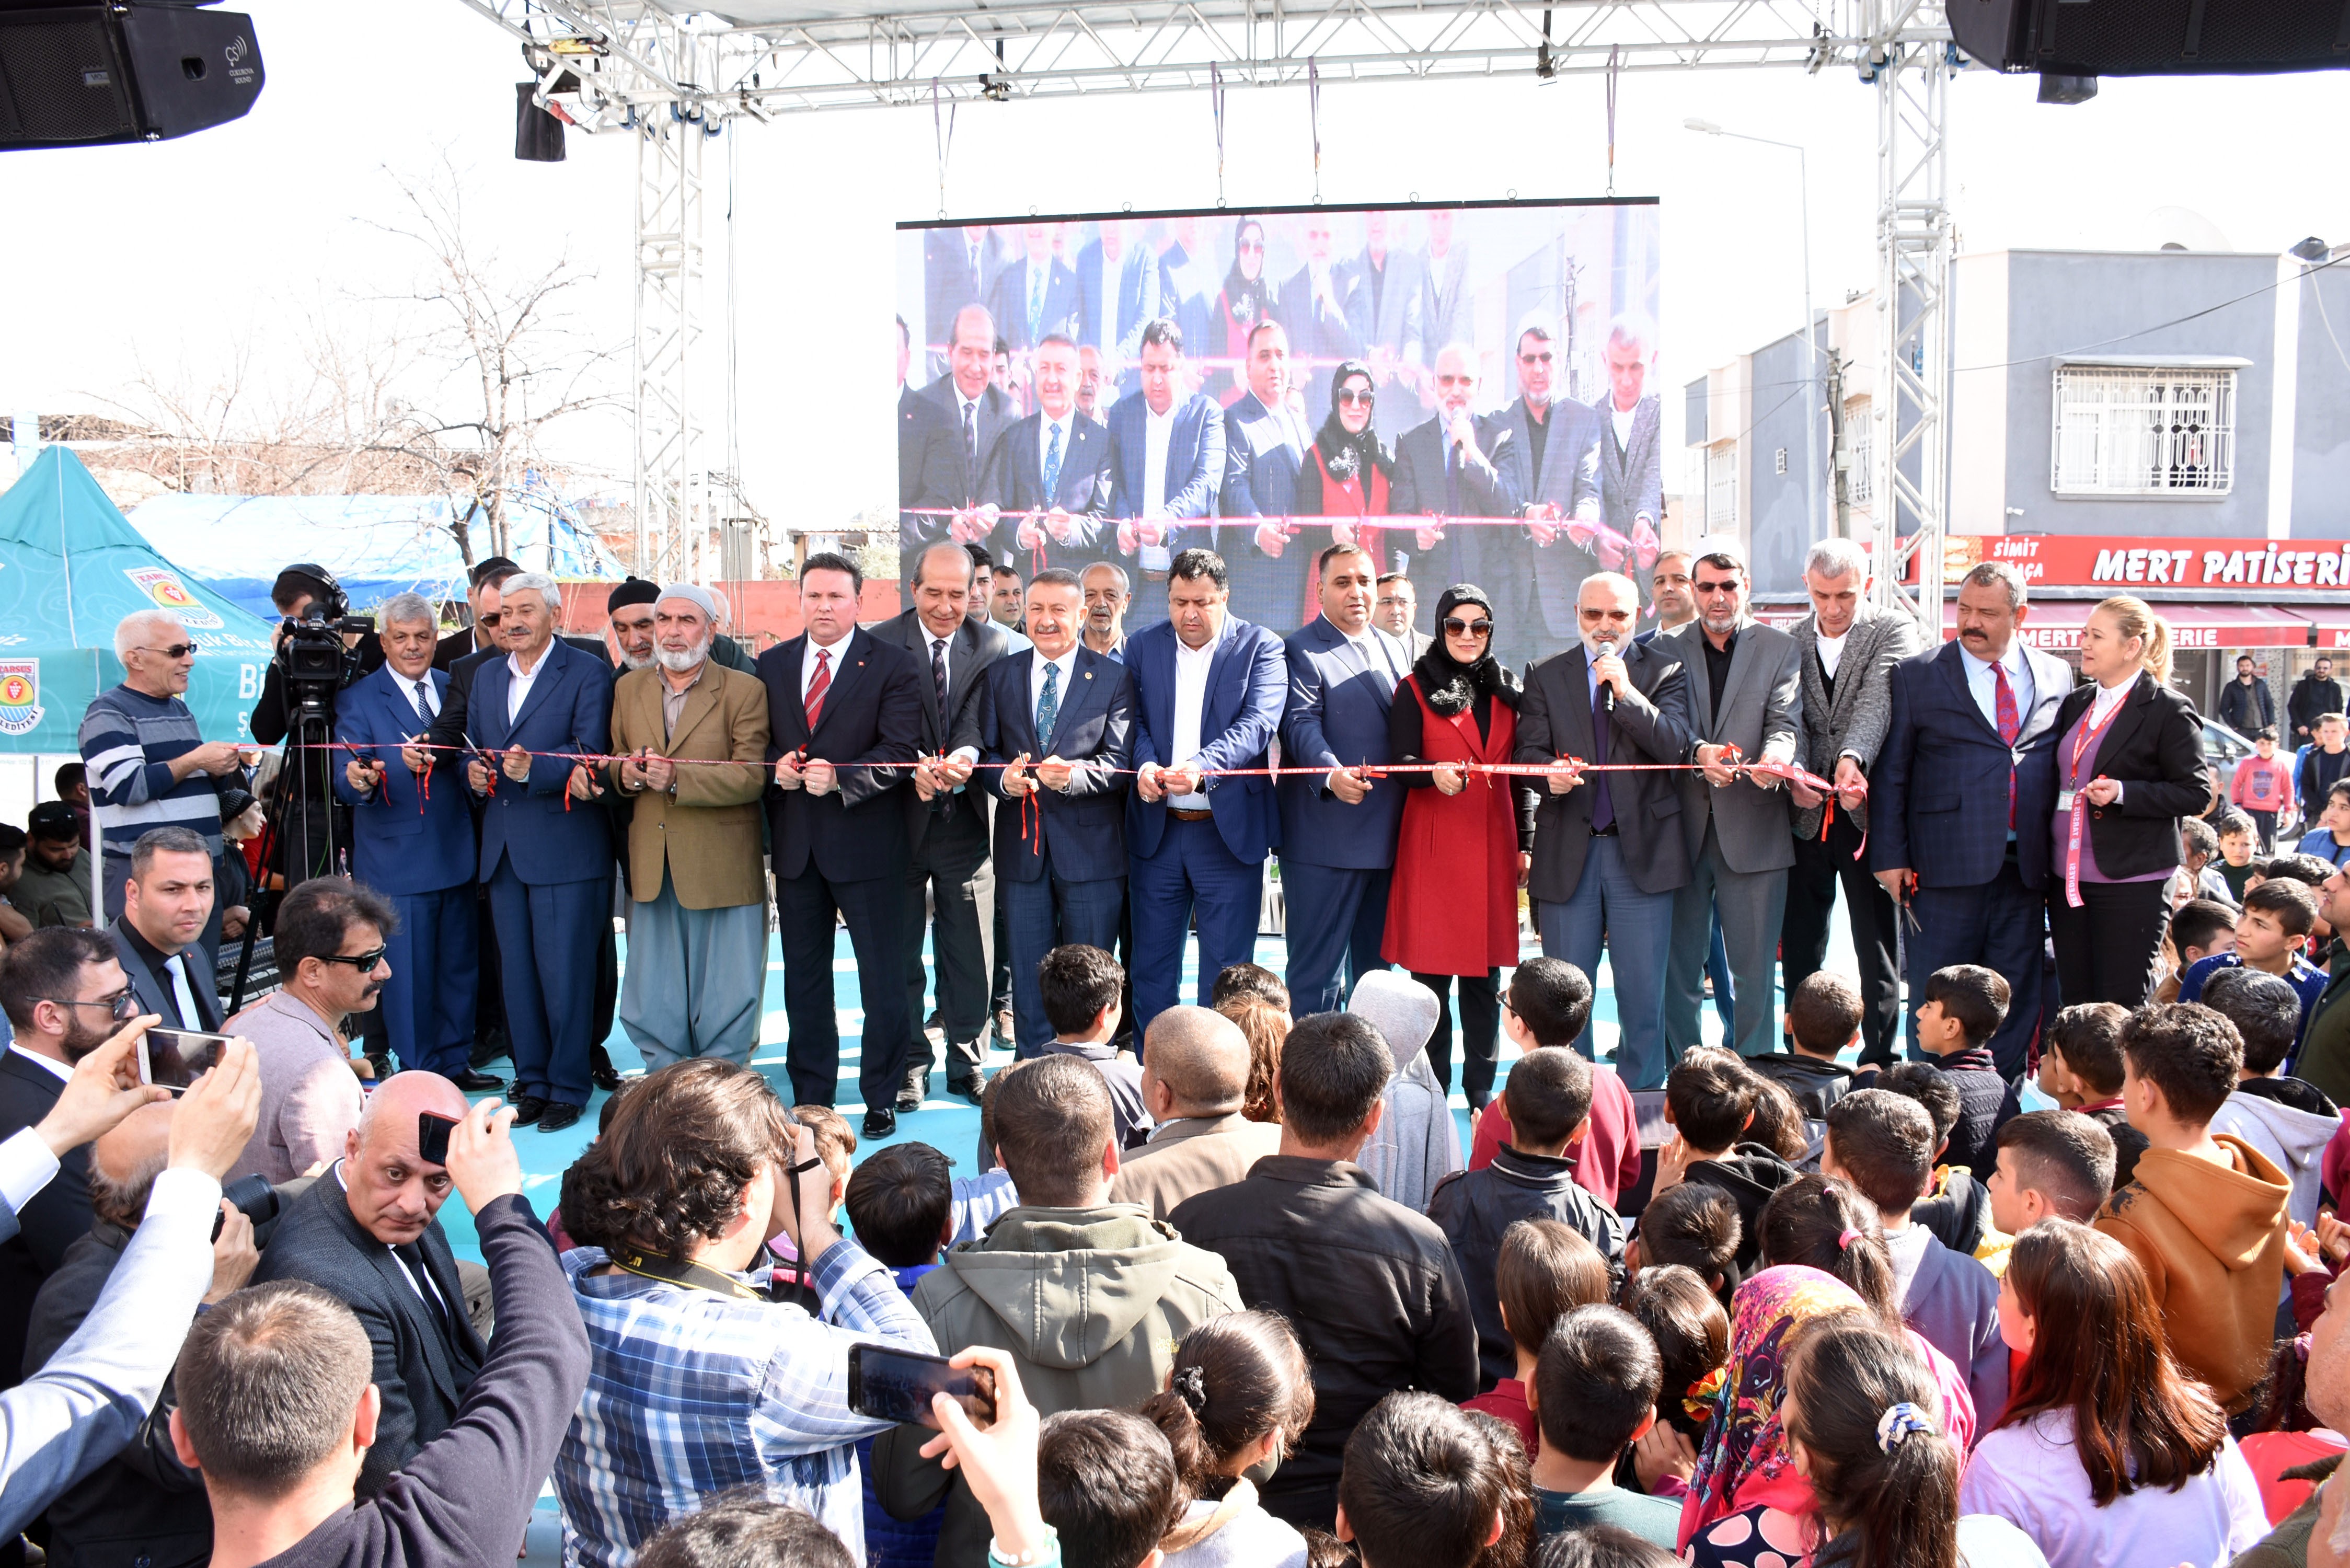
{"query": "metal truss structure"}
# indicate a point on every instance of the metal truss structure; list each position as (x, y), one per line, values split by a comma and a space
(671, 77)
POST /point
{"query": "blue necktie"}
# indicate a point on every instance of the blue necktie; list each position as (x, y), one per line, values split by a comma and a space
(1048, 706)
(1036, 303)
(1053, 467)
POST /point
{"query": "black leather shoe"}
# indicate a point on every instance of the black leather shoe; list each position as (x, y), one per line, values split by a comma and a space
(529, 1108)
(913, 1092)
(475, 1082)
(967, 1088)
(558, 1115)
(880, 1122)
(600, 1071)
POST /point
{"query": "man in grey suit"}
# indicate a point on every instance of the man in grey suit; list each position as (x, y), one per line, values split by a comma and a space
(949, 831)
(1631, 446)
(1384, 287)
(1447, 311)
(1554, 463)
(1849, 649)
(1746, 691)
(1609, 851)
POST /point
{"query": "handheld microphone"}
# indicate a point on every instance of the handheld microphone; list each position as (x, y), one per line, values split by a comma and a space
(1607, 689)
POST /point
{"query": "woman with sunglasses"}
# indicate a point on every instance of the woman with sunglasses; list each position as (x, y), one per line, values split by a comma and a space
(1247, 299)
(1461, 855)
(1346, 474)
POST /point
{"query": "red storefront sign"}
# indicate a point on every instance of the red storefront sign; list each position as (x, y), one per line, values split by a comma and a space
(2320, 568)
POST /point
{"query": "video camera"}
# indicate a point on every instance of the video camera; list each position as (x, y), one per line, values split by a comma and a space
(311, 654)
(258, 1201)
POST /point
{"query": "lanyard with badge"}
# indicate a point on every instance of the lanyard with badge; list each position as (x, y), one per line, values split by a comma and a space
(2072, 799)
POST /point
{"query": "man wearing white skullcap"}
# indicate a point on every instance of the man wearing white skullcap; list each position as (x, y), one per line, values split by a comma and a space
(692, 735)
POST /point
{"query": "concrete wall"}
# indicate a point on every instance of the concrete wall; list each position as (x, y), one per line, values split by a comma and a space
(2321, 468)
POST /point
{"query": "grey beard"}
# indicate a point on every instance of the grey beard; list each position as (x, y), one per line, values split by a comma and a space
(633, 661)
(682, 663)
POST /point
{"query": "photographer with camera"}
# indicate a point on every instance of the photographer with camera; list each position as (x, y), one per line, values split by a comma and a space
(318, 650)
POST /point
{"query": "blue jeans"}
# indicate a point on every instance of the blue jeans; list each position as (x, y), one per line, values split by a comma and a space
(1637, 928)
(1045, 914)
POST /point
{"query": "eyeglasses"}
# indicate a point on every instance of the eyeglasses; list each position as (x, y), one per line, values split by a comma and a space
(1533, 359)
(492, 618)
(121, 1006)
(362, 962)
(1349, 395)
(1606, 615)
(1458, 627)
(177, 651)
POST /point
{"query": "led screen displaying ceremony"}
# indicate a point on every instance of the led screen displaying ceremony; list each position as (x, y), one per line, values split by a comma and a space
(1470, 392)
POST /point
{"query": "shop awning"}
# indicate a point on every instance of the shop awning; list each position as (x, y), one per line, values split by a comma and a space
(2055, 626)
(2333, 624)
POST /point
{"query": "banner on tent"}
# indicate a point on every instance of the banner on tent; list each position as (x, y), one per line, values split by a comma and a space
(20, 696)
(1042, 415)
(171, 594)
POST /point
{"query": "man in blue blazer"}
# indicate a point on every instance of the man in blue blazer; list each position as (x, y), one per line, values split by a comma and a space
(837, 834)
(1117, 290)
(1339, 826)
(1939, 801)
(413, 843)
(1265, 443)
(1048, 478)
(1151, 506)
(1208, 694)
(1064, 716)
(548, 863)
(1036, 295)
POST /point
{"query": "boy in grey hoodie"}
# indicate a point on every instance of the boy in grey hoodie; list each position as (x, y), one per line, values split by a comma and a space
(2284, 1119)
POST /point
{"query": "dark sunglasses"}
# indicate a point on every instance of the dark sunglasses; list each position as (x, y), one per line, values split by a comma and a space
(1456, 625)
(1729, 586)
(1348, 395)
(1252, 244)
(360, 961)
(177, 651)
(492, 618)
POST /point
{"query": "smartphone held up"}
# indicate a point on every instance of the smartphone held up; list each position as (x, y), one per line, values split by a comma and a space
(897, 1386)
(176, 1058)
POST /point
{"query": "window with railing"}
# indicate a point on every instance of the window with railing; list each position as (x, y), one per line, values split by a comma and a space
(1721, 487)
(1860, 440)
(2143, 431)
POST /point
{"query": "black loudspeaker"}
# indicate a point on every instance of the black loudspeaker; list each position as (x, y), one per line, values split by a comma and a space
(78, 76)
(2153, 37)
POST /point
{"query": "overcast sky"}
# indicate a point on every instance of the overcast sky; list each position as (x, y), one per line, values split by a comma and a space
(180, 257)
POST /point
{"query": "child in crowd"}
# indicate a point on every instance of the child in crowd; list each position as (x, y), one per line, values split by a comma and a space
(1955, 1209)
(2235, 868)
(1424, 1485)
(1884, 1146)
(1083, 989)
(1696, 1226)
(1823, 1020)
(1253, 980)
(1417, 1144)
(1549, 1094)
(1595, 1389)
(2051, 1165)
(2262, 787)
(836, 1145)
(1778, 1124)
(2271, 936)
(1105, 1482)
(1602, 1546)
(901, 1205)
(1546, 1271)
(2197, 877)
(1237, 1396)
(1692, 1336)
(1708, 1104)
(2330, 840)
(2081, 1070)
(2198, 928)
(1820, 1222)
(1963, 1008)
(2289, 1121)
(1550, 1004)
(1254, 998)
(2205, 1214)
(2107, 1454)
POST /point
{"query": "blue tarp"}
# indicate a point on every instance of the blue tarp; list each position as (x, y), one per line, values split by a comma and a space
(377, 546)
(70, 568)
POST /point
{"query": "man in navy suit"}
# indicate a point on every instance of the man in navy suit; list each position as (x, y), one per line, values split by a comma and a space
(1962, 796)
(1338, 827)
(1051, 471)
(1168, 462)
(549, 863)
(1208, 694)
(414, 844)
(1035, 296)
(1055, 727)
(1117, 291)
(1265, 443)
(838, 834)
(964, 412)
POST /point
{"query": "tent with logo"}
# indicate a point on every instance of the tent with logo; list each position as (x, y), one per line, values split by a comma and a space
(70, 568)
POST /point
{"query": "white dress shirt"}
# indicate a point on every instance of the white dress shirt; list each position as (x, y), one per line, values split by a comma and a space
(521, 681)
(1190, 706)
(1158, 435)
(419, 694)
(1623, 419)
(1831, 650)
(807, 661)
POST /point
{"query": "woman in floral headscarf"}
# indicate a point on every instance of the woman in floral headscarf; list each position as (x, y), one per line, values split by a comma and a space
(1246, 300)
(1345, 476)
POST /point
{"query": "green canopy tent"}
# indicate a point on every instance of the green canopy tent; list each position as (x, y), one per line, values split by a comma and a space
(70, 569)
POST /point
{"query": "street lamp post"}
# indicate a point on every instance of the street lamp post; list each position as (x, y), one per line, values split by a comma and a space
(1811, 344)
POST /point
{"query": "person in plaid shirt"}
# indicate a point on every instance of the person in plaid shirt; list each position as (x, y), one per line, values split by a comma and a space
(699, 1381)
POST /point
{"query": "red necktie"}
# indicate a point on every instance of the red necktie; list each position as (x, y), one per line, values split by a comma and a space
(822, 683)
(2010, 724)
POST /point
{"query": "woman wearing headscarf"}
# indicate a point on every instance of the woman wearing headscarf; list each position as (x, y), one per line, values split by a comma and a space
(1247, 299)
(1462, 852)
(1345, 477)
(1747, 1505)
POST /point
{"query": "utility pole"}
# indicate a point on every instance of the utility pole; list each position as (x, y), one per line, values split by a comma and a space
(1839, 447)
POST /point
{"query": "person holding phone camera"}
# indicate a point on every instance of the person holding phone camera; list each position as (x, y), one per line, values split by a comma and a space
(699, 1373)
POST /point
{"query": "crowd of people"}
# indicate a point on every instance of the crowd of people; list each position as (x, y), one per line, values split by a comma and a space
(2053, 1289)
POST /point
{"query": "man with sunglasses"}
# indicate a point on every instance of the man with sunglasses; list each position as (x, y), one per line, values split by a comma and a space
(330, 955)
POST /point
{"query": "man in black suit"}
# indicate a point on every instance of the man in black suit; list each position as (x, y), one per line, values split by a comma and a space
(366, 1232)
(836, 695)
(159, 936)
(64, 992)
(947, 830)
(482, 580)
(964, 412)
(1052, 470)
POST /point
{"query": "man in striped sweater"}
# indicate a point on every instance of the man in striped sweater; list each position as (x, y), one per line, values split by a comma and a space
(148, 765)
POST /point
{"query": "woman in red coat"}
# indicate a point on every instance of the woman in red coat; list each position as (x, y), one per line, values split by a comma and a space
(1344, 477)
(1462, 856)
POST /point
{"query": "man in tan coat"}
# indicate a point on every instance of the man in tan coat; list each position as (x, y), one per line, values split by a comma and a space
(1194, 1077)
(698, 935)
